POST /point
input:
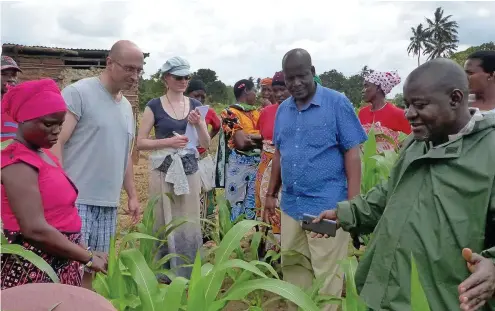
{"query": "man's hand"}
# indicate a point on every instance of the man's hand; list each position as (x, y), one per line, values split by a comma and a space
(133, 210)
(328, 214)
(480, 285)
(269, 213)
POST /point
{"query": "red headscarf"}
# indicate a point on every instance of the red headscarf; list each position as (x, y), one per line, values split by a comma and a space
(33, 99)
(266, 82)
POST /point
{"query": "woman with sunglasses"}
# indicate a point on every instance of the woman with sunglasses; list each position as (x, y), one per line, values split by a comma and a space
(241, 147)
(174, 177)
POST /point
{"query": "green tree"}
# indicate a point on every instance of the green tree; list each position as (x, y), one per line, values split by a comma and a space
(442, 37)
(334, 79)
(354, 89)
(217, 92)
(461, 57)
(417, 41)
(351, 86)
(206, 75)
(398, 100)
(150, 88)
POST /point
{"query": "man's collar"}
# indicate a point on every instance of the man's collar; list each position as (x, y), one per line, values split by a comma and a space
(315, 100)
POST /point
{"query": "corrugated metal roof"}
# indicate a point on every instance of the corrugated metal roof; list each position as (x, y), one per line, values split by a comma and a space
(59, 48)
(55, 47)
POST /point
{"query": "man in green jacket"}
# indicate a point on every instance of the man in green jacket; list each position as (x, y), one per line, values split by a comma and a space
(437, 205)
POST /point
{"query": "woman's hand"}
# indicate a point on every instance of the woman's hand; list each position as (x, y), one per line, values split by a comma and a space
(194, 117)
(99, 263)
(177, 142)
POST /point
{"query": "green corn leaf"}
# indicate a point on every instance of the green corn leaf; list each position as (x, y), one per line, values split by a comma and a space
(268, 267)
(229, 243)
(36, 260)
(196, 293)
(419, 302)
(146, 282)
(224, 216)
(237, 263)
(173, 297)
(352, 301)
(288, 291)
(135, 236)
(255, 244)
(159, 263)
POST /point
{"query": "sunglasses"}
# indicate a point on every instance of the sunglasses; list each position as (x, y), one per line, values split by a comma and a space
(180, 78)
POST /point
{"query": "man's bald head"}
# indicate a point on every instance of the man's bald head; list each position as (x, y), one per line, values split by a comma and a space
(299, 73)
(436, 97)
(298, 57)
(123, 47)
(439, 74)
(124, 64)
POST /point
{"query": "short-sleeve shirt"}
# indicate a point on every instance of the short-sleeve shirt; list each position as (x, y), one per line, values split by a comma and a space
(266, 121)
(58, 193)
(96, 155)
(388, 116)
(213, 121)
(9, 127)
(312, 143)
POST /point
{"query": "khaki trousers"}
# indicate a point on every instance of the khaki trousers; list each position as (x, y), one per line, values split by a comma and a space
(187, 239)
(321, 257)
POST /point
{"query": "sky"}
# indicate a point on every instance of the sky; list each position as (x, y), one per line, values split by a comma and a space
(246, 38)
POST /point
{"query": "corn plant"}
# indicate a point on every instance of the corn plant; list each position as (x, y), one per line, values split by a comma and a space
(352, 301)
(204, 290)
(150, 240)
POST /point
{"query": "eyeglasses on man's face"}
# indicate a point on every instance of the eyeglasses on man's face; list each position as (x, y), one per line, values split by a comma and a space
(130, 69)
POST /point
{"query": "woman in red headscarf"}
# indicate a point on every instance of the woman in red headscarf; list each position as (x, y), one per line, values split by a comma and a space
(265, 125)
(385, 118)
(38, 199)
(266, 93)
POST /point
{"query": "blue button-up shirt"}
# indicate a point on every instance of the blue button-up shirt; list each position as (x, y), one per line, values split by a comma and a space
(312, 142)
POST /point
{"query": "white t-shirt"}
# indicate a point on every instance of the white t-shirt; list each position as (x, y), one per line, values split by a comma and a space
(95, 156)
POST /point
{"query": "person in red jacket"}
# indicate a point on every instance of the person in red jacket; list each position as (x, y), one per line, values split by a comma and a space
(196, 89)
(9, 71)
(376, 86)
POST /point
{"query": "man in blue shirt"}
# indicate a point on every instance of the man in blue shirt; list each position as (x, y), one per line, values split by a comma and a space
(316, 164)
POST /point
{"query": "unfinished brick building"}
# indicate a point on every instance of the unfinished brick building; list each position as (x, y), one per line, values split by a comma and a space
(65, 66)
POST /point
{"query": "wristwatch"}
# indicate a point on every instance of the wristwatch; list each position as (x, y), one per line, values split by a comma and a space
(89, 264)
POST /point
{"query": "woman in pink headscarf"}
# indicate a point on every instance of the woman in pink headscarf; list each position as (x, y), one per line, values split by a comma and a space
(38, 199)
(383, 116)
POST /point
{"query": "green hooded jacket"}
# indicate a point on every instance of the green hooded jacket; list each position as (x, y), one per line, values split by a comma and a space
(437, 201)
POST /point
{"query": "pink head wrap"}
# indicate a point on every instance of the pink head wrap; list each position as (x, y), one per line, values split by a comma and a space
(385, 80)
(33, 99)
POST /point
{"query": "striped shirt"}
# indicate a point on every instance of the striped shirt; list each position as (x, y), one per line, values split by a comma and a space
(9, 127)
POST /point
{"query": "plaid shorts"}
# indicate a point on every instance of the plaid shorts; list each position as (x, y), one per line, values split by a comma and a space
(98, 225)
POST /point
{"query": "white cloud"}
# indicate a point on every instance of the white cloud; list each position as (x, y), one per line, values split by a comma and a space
(241, 39)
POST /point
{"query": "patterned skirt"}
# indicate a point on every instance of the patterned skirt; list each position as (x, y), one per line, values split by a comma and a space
(18, 271)
(263, 180)
(239, 188)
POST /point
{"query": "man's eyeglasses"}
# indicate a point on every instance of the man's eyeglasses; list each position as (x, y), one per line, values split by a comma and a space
(129, 69)
(180, 78)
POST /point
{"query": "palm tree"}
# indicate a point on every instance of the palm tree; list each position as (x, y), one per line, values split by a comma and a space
(417, 41)
(441, 36)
